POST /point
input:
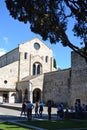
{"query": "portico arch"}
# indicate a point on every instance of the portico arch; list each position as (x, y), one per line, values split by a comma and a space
(36, 95)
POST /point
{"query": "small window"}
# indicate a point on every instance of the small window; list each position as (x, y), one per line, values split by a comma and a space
(25, 55)
(46, 59)
(36, 46)
(5, 81)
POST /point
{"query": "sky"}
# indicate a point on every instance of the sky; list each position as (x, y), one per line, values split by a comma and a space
(13, 32)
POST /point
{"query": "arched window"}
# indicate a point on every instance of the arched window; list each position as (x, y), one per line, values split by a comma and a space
(36, 68)
(46, 59)
(25, 55)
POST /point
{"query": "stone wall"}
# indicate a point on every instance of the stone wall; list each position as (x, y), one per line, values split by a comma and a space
(8, 79)
(67, 85)
(79, 79)
(9, 57)
(77, 62)
(9, 73)
(57, 86)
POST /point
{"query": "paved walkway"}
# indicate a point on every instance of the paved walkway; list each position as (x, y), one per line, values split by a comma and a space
(18, 106)
(16, 118)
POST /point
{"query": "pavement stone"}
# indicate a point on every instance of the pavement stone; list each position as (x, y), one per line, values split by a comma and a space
(15, 119)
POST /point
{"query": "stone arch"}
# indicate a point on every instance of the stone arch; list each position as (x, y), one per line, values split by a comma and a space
(36, 95)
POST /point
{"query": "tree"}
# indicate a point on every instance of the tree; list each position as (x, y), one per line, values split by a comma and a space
(49, 18)
(55, 64)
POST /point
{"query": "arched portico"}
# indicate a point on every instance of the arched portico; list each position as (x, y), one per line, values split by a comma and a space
(22, 95)
(36, 95)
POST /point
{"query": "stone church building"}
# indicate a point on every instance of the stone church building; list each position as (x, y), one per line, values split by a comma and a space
(27, 72)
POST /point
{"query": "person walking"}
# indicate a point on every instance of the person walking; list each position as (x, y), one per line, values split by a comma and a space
(41, 108)
(36, 109)
(60, 111)
(30, 106)
(23, 110)
(49, 104)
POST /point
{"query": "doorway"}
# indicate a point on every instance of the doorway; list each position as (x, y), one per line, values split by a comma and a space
(5, 97)
(36, 95)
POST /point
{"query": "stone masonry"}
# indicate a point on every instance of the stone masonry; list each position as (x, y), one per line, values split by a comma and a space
(27, 72)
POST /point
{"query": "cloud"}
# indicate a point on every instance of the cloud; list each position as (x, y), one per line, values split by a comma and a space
(5, 39)
(2, 51)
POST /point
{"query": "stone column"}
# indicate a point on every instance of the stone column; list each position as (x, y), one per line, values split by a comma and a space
(36, 68)
(30, 91)
(23, 94)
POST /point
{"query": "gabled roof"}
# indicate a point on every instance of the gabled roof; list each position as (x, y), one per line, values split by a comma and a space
(28, 78)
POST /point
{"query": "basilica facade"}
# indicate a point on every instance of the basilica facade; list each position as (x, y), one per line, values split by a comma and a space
(28, 72)
(21, 65)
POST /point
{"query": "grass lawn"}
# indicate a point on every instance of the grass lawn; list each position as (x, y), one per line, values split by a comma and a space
(46, 124)
(57, 124)
(10, 126)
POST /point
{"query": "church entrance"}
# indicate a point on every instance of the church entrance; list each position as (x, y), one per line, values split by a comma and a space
(36, 95)
(5, 97)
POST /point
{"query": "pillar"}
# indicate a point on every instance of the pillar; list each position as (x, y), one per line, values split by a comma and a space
(30, 91)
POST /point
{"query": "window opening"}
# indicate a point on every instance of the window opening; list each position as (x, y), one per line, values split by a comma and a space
(25, 55)
(38, 69)
(46, 59)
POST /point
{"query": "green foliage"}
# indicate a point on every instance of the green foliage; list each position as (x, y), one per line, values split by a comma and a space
(55, 64)
(49, 18)
(10, 126)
